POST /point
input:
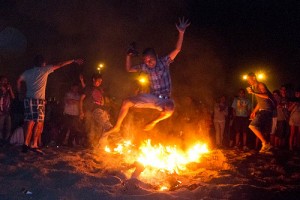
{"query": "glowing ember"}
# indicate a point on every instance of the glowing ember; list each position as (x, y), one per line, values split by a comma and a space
(163, 188)
(121, 147)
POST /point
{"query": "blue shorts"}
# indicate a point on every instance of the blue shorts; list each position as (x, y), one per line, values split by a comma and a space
(263, 121)
(152, 101)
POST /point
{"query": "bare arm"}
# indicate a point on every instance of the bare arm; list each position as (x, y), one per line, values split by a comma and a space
(183, 24)
(262, 91)
(19, 82)
(81, 113)
(65, 63)
(128, 64)
(81, 78)
(252, 115)
(11, 92)
(292, 106)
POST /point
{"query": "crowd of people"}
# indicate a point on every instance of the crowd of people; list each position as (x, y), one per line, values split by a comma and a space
(84, 116)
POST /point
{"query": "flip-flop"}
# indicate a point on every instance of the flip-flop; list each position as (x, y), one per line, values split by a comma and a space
(37, 150)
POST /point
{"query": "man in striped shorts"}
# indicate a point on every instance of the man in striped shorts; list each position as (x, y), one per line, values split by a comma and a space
(34, 103)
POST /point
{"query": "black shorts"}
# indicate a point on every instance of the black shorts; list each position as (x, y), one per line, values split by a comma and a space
(263, 121)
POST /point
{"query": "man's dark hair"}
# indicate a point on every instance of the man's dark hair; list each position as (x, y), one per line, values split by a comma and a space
(149, 51)
(38, 60)
(277, 92)
(251, 74)
(97, 76)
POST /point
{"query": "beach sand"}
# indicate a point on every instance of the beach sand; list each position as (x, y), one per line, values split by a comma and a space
(78, 173)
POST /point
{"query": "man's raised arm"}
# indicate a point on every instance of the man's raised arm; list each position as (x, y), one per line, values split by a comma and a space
(128, 63)
(62, 64)
(183, 24)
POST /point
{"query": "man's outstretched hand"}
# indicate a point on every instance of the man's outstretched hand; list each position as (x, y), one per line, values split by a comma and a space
(78, 61)
(183, 24)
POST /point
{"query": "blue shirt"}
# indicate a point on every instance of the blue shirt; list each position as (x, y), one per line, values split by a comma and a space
(241, 106)
(159, 76)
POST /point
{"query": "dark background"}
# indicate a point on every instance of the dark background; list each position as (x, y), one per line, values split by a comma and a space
(225, 40)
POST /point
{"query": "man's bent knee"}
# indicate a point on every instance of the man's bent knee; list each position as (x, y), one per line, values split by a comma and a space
(127, 103)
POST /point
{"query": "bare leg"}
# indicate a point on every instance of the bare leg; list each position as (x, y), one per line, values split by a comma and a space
(28, 132)
(122, 114)
(258, 134)
(237, 139)
(38, 129)
(291, 139)
(163, 115)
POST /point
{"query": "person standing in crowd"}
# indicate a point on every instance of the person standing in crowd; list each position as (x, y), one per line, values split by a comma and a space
(274, 140)
(92, 108)
(6, 97)
(262, 114)
(241, 109)
(294, 121)
(282, 122)
(34, 103)
(71, 115)
(157, 70)
(220, 113)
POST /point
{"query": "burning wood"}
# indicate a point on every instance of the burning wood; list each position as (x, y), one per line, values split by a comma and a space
(152, 161)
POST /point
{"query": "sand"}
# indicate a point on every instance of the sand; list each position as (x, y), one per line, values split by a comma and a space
(79, 173)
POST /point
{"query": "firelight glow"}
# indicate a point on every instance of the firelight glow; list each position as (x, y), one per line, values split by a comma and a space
(152, 161)
(259, 76)
(143, 80)
(169, 158)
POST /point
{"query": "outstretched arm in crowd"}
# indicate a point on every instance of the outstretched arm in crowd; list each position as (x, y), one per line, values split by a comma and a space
(183, 24)
(62, 64)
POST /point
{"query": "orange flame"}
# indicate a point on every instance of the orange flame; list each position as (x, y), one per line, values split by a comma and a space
(169, 158)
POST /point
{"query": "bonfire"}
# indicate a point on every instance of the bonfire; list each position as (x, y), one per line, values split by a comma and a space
(156, 163)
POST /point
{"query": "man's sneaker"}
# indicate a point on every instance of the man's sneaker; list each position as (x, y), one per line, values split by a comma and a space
(245, 148)
(265, 148)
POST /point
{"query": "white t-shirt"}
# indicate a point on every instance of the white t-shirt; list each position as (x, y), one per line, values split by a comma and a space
(36, 80)
(72, 108)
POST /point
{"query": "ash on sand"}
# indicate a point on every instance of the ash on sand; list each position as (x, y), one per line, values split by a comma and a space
(77, 173)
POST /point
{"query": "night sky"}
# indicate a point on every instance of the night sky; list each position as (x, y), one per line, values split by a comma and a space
(225, 40)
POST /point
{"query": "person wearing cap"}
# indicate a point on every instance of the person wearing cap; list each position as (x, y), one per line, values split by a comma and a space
(262, 114)
(34, 104)
(157, 70)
